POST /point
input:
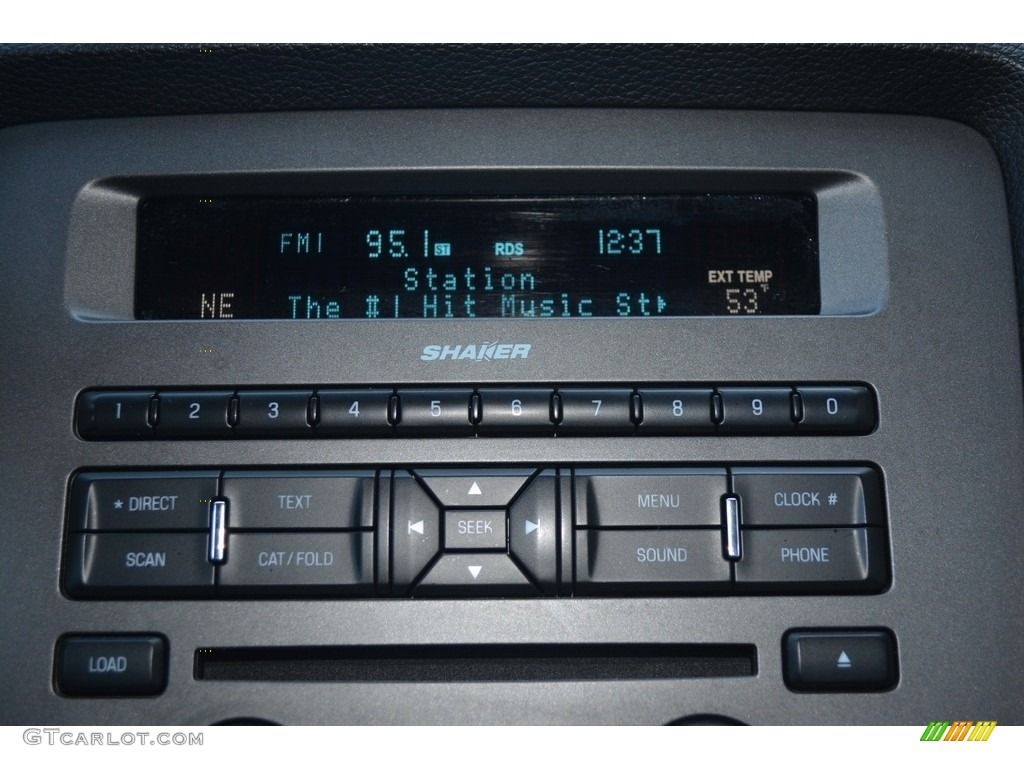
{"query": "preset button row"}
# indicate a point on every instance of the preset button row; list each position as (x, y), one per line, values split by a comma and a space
(439, 412)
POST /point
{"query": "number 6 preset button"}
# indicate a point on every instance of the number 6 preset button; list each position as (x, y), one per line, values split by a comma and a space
(434, 412)
(595, 412)
(516, 412)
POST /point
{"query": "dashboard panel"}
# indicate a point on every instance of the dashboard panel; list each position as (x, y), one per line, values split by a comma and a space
(623, 608)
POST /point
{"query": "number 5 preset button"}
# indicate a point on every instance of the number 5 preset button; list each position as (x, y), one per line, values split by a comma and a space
(434, 412)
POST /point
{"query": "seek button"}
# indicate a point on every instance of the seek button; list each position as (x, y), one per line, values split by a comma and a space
(474, 529)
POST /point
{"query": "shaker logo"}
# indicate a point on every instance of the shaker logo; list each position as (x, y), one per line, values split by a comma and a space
(487, 351)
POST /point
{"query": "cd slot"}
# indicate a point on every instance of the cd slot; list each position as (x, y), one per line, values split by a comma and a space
(476, 663)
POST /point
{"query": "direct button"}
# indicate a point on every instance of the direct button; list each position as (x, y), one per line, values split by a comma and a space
(136, 501)
(111, 665)
(812, 497)
(493, 488)
(625, 562)
(299, 499)
(137, 565)
(839, 661)
(668, 497)
(812, 560)
(474, 529)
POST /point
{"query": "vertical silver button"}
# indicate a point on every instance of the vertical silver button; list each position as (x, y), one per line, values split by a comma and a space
(218, 532)
(733, 539)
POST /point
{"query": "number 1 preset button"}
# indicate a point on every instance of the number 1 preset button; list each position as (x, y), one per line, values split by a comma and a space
(595, 412)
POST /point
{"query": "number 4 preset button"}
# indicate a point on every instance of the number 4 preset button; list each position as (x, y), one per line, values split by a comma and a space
(353, 412)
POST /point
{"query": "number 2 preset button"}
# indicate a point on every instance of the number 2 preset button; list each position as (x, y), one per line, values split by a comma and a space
(516, 412)
(434, 412)
(194, 414)
(595, 412)
(273, 413)
(353, 413)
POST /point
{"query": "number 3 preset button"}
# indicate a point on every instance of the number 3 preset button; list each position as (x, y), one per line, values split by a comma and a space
(274, 413)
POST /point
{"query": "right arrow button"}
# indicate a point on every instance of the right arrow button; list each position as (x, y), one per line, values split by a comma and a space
(533, 531)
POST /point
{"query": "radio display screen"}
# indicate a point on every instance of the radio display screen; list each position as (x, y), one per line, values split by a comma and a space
(488, 257)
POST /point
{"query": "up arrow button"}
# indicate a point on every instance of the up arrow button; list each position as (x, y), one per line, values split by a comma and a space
(493, 488)
(843, 662)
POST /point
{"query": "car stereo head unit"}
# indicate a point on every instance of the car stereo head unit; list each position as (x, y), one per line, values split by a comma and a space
(536, 416)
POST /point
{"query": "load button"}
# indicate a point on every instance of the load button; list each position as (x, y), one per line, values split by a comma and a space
(111, 665)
